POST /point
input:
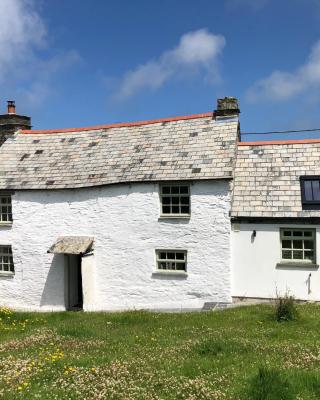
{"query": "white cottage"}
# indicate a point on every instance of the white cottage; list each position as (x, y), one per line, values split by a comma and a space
(276, 220)
(123, 216)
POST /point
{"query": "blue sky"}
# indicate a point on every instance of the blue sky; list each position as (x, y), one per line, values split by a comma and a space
(71, 63)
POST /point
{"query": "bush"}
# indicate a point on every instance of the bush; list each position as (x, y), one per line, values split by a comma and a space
(285, 308)
(269, 384)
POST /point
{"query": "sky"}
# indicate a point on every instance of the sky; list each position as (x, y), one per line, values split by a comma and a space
(73, 63)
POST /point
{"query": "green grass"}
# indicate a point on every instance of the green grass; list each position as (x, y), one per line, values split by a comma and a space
(235, 354)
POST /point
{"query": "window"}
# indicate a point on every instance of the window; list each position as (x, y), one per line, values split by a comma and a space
(5, 208)
(171, 260)
(6, 259)
(310, 189)
(298, 245)
(175, 199)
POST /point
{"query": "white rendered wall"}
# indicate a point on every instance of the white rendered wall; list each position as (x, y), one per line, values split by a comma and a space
(254, 265)
(124, 219)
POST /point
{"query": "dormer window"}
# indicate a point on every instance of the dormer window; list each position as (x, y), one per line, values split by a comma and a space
(310, 190)
(5, 208)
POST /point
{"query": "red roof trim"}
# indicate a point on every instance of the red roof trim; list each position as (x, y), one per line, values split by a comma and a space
(118, 125)
(293, 141)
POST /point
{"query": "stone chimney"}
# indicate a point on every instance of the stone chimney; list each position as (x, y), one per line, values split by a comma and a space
(11, 122)
(227, 107)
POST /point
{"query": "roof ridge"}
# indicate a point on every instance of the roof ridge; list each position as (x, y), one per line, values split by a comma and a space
(117, 125)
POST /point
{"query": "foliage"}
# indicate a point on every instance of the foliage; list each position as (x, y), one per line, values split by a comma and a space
(285, 308)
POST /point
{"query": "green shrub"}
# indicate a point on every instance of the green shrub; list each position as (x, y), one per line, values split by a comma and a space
(285, 308)
(269, 384)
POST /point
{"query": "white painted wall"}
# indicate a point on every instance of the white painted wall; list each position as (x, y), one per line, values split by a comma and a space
(124, 219)
(254, 271)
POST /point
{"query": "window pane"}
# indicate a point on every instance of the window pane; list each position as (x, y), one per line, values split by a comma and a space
(166, 200)
(297, 255)
(308, 190)
(297, 244)
(287, 233)
(308, 255)
(174, 189)
(286, 244)
(166, 189)
(171, 256)
(315, 190)
(184, 189)
(175, 210)
(163, 256)
(307, 233)
(184, 200)
(286, 254)
(180, 266)
(308, 244)
(166, 209)
(175, 200)
(297, 233)
(185, 210)
(180, 256)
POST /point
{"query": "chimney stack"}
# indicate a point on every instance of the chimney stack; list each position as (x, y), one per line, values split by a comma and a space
(11, 122)
(11, 107)
(227, 107)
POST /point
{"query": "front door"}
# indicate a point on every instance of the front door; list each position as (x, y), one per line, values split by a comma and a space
(74, 295)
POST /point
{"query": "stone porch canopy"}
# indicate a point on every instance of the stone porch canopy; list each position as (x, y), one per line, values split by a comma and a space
(267, 178)
(193, 147)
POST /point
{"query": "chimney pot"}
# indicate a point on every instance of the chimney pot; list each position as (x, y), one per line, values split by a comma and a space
(227, 107)
(11, 107)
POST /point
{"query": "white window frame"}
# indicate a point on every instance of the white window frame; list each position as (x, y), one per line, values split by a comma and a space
(5, 209)
(6, 260)
(175, 195)
(171, 260)
(303, 249)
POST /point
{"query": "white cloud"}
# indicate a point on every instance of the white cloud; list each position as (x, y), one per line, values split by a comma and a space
(197, 51)
(281, 85)
(21, 31)
(23, 45)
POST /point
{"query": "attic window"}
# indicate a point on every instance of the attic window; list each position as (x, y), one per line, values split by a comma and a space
(310, 190)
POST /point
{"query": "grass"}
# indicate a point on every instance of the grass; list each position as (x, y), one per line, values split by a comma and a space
(235, 354)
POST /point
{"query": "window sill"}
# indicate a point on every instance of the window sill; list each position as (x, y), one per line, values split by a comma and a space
(304, 265)
(5, 224)
(174, 216)
(183, 274)
(6, 274)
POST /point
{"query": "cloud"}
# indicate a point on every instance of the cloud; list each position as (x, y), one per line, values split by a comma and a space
(24, 63)
(280, 85)
(21, 31)
(197, 51)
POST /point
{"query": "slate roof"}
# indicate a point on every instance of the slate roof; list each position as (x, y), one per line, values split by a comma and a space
(267, 178)
(182, 148)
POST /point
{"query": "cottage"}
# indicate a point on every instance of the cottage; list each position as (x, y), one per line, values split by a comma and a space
(123, 216)
(275, 220)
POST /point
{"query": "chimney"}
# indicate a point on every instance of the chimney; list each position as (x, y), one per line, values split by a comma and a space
(11, 122)
(227, 107)
(11, 107)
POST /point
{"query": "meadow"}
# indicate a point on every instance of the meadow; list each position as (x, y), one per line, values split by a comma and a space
(235, 354)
